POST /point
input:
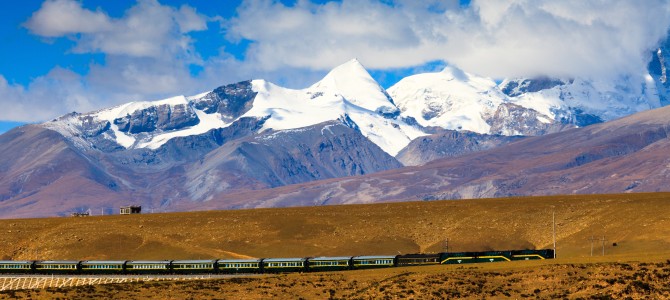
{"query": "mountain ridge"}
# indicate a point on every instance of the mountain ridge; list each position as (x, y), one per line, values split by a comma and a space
(344, 139)
(624, 155)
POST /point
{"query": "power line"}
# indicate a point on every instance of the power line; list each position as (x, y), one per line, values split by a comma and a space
(592, 239)
(553, 229)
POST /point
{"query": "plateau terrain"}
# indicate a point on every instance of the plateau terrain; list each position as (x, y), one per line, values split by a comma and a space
(634, 228)
(346, 139)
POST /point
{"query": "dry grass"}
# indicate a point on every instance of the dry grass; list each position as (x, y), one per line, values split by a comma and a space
(639, 224)
(517, 280)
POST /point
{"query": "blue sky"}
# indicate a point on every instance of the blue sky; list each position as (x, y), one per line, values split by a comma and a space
(60, 56)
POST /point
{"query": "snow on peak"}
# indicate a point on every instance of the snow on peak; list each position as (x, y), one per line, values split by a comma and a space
(454, 99)
(353, 82)
(292, 109)
(451, 99)
(455, 73)
(346, 92)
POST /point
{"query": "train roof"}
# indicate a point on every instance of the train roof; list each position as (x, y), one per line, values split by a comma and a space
(194, 261)
(55, 262)
(283, 259)
(225, 261)
(7, 262)
(103, 262)
(148, 262)
(375, 257)
(419, 255)
(330, 258)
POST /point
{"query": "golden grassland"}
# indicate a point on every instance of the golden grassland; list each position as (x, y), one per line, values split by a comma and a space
(515, 280)
(639, 225)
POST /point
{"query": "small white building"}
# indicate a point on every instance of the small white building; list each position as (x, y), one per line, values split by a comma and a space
(131, 209)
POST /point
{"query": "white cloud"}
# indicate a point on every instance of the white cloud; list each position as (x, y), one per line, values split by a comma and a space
(148, 50)
(46, 97)
(564, 38)
(497, 38)
(62, 17)
(189, 20)
(147, 29)
(322, 36)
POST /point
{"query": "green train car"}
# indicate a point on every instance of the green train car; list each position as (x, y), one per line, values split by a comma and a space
(373, 261)
(192, 266)
(325, 263)
(278, 265)
(58, 266)
(233, 266)
(148, 267)
(494, 256)
(103, 266)
(265, 265)
(17, 266)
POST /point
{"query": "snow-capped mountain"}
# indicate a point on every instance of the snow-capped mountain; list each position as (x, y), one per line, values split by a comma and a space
(451, 99)
(252, 139)
(347, 93)
(246, 136)
(584, 101)
(456, 100)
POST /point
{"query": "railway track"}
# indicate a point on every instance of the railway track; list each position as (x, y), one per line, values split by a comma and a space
(22, 282)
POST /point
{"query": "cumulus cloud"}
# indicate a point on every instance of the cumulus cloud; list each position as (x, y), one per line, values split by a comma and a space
(47, 96)
(564, 38)
(148, 29)
(148, 52)
(320, 36)
(62, 17)
(497, 38)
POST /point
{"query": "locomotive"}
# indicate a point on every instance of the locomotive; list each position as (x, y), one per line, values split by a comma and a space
(263, 265)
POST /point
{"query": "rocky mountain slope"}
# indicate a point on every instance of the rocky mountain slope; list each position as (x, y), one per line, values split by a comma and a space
(449, 143)
(244, 136)
(253, 143)
(456, 100)
(624, 155)
(347, 93)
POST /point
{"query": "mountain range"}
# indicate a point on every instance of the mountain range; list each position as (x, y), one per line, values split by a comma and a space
(345, 139)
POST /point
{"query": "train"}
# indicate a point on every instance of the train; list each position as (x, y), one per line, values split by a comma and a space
(262, 265)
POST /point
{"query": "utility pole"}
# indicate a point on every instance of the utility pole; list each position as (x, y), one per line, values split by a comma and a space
(603, 243)
(553, 229)
(446, 245)
(592, 239)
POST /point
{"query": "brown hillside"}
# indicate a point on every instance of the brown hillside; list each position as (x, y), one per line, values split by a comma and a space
(621, 156)
(638, 223)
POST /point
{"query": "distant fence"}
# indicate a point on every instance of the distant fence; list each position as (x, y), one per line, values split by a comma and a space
(41, 282)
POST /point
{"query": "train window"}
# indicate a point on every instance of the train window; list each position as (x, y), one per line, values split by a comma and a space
(11, 266)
